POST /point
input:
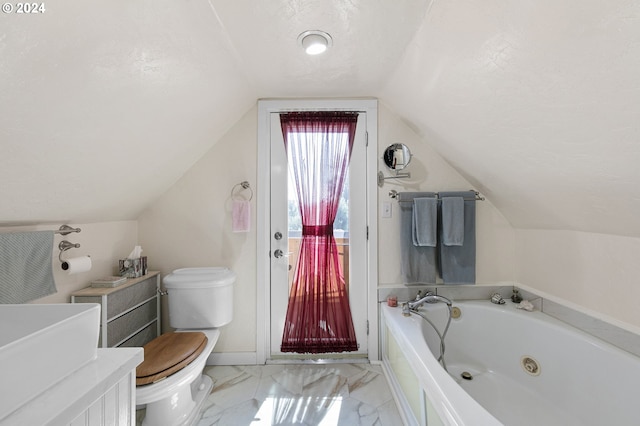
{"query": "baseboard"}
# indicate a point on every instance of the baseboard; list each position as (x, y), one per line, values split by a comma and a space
(232, 358)
(251, 358)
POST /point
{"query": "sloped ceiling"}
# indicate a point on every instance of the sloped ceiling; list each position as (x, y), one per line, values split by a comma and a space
(105, 104)
(536, 103)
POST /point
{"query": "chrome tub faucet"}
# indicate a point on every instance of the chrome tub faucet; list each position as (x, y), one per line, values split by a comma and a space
(429, 297)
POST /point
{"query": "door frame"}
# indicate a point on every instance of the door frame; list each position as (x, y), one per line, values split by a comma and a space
(263, 291)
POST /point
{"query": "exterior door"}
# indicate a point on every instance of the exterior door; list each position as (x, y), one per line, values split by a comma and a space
(350, 232)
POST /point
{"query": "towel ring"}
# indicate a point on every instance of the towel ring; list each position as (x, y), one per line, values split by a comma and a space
(244, 185)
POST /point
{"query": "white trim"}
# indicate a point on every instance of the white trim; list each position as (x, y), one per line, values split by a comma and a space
(265, 108)
(372, 219)
(263, 308)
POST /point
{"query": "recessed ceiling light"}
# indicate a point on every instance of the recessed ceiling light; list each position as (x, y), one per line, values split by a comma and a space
(315, 42)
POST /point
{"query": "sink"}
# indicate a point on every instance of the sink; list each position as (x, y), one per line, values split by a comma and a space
(42, 344)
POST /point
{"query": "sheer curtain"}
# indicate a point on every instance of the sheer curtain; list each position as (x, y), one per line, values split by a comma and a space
(318, 314)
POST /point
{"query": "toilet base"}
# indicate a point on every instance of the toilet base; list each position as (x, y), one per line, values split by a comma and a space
(182, 408)
(176, 400)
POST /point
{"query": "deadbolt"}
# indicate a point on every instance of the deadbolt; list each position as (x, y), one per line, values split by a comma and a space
(277, 235)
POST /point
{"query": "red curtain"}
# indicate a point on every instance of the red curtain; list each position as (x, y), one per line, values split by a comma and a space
(318, 315)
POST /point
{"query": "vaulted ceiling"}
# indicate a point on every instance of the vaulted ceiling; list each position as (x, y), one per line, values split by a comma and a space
(105, 104)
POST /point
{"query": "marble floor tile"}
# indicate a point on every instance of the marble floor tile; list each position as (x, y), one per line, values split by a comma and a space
(370, 388)
(300, 394)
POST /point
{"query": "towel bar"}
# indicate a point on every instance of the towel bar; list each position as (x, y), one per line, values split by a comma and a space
(394, 194)
(66, 230)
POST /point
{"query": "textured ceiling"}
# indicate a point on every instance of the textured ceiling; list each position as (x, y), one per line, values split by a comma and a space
(536, 103)
(105, 104)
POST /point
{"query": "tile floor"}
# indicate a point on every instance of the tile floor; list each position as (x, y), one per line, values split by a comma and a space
(301, 394)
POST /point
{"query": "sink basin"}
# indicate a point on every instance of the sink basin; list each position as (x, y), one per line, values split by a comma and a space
(41, 345)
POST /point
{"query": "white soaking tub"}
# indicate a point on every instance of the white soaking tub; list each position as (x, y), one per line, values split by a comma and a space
(527, 369)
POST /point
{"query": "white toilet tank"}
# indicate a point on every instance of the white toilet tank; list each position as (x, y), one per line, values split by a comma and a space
(200, 297)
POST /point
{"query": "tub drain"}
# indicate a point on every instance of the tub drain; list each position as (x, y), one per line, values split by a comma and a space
(530, 365)
(466, 375)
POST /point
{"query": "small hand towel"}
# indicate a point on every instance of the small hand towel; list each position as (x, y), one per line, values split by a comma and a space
(458, 263)
(241, 216)
(425, 219)
(417, 264)
(453, 221)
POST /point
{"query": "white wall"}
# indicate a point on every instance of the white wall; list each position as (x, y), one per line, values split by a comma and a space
(190, 225)
(495, 239)
(596, 271)
(105, 242)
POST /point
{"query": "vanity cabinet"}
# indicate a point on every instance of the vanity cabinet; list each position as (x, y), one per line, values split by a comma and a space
(130, 312)
(101, 392)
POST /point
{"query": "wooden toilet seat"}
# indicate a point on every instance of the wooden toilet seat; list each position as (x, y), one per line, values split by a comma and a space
(168, 354)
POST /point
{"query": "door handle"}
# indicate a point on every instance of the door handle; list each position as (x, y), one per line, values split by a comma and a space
(277, 253)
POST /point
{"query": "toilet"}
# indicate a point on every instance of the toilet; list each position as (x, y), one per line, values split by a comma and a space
(170, 381)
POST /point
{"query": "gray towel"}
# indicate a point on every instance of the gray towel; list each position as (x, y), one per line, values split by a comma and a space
(458, 263)
(418, 264)
(25, 266)
(425, 219)
(452, 221)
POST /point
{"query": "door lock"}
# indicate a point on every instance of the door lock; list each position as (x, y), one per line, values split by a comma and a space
(278, 253)
(277, 235)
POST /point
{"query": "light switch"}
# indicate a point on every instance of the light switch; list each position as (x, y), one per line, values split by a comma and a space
(386, 209)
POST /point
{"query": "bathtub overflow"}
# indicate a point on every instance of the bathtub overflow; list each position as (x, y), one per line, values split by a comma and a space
(455, 312)
(530, 365)
(466, 375)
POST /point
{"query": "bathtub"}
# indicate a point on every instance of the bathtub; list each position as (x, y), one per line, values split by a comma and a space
(527, 368)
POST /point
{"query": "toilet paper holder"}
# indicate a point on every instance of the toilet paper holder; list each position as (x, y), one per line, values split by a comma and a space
(64, 246)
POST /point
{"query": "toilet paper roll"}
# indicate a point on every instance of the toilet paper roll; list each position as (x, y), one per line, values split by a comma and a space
(76, 265)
